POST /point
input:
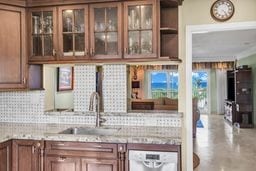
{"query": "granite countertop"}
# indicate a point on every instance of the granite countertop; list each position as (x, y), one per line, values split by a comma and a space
(126, 134)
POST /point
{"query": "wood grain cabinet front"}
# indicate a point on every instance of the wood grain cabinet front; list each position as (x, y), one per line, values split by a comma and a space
(73, 32)
(60, 163)
(27, 155)
(140, 29)
(32, 155)
(78, 156)
(105, 30)
(5, 156)
(12, 48)
(99, 165)
(42, 26)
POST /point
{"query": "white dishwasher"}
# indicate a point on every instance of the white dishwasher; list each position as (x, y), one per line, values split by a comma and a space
(152, 161)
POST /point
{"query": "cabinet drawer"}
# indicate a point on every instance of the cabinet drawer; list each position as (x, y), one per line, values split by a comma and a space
(96, 150)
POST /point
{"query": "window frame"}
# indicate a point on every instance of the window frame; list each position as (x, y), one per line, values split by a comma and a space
(168, 81)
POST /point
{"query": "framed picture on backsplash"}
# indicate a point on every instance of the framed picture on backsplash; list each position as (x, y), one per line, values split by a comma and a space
(65, 77)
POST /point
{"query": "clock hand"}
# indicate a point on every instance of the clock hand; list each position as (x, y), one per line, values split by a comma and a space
(224, 12)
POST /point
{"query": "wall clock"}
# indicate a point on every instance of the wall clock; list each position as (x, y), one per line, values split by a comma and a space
(222, 10)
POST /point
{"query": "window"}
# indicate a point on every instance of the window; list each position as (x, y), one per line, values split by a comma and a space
(163, 84)
(200, 89)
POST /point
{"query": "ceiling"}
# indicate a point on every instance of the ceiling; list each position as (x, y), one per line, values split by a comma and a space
(223, 45)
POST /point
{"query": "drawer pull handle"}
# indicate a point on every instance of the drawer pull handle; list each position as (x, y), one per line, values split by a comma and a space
(59, 144)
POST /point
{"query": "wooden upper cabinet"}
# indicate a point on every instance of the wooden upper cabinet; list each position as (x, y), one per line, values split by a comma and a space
(73, 32)
(12, 48)
(42, 34)
(105, 31)
(140, 29)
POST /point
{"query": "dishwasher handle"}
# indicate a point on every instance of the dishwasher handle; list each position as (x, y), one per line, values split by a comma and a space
(152, 164)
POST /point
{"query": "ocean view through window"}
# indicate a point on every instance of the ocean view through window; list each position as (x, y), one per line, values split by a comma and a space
(164, 84)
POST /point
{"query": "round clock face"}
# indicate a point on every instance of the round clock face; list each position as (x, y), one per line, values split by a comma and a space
(222, 10)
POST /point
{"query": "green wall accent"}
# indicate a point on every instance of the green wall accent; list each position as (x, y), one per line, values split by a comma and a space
(251, 61)
(213, 91)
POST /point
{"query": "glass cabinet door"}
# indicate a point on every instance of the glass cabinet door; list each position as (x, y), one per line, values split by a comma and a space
(73, 32)
(140, 30)
(42, 34)
(105, 35)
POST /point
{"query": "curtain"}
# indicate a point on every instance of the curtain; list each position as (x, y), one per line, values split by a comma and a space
(221, 80)
(213, 65)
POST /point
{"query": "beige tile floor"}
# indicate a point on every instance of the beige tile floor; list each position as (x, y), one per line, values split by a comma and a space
(224, 148)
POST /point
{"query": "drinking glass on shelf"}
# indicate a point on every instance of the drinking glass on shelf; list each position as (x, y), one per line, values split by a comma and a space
(36, 25)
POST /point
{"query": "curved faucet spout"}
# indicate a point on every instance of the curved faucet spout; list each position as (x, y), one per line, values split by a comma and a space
(96, 96)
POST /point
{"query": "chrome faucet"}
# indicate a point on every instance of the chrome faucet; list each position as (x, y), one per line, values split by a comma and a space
(96, 96)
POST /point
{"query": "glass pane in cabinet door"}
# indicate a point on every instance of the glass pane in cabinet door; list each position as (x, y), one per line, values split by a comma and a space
(100, 43)
(37, 46)
(36, 23)
(134, 45)
(146, 42)
(79, 21)
(48, 22)
(68, 44)
(48, 45)
(112, 19)
(134, 18)
(79, 44)
(99, 19)
(112, 43)
(146, 17)
(67, 21)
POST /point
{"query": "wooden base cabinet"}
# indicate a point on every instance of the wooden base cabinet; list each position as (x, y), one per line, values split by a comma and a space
(77, 156)
(5, 156)
(21, 155)
(99, 165)
(27, 155)
(58, 163)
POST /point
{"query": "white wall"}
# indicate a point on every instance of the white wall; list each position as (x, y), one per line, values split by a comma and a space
(53, 98)
(197, 12)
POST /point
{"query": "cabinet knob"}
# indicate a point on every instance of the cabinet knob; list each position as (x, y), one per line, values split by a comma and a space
(38, 144)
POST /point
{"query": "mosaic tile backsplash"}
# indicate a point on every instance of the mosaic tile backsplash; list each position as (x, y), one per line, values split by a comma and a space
(115, 88)
(28, 106)
(84, 86)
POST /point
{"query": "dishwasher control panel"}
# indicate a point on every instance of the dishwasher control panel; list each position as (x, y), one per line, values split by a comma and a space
(157, 156)
(153, 161)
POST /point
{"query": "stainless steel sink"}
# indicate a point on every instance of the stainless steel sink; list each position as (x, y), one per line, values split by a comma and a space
(89, 131)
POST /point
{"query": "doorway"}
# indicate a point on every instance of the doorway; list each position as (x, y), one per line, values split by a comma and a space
(190, 30)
